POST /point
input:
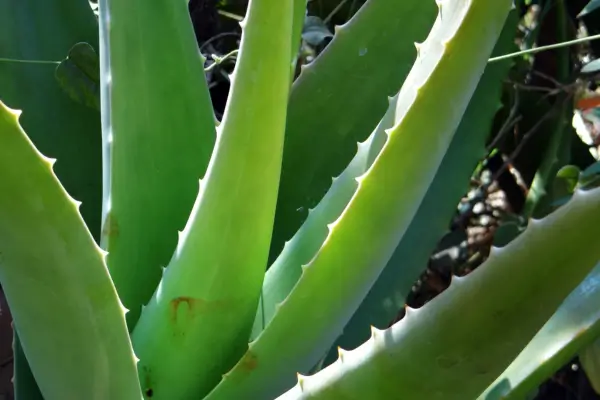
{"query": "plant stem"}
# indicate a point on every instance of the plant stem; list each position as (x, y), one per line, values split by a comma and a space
(13, 60)
(545, 48)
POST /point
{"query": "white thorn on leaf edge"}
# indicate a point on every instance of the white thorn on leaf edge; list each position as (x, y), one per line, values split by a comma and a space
(14, 111)
(494, 251)
(418, 46)
(103, 253)
(375, 332)
(457, 279)
(301, 378)
(279, 305)
(408, 311)
(76, 203)
(361, 177)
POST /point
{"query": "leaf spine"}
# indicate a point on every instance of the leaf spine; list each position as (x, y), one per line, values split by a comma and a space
(301, 379)
(533, 222)
(48, 160)
(375, 332)
(331, 227)
(76, 203)
(495, 251)
(418, 46)
(363, 144)
(279, 305)
(285, 245)
(16, 113)
(580, 192)
(103, 253)
(361, 177)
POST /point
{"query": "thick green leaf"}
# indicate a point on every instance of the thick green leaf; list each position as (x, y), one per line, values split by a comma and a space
(35, 30)
(338, 100)
(61, 297)
(283, 275)
(362, 240)
(574, 325)
(388, 296)
(452, 350)
(297, 24)
(24, 384)
(197, 324)
(158, 132)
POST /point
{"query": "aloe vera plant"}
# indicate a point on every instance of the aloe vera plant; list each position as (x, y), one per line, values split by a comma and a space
(172, 301)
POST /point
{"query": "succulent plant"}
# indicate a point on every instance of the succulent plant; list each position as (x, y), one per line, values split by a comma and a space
(169, 299)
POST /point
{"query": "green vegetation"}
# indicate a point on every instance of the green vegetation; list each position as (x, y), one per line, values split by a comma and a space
(215, 258)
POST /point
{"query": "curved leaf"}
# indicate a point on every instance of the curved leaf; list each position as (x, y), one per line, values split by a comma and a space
(362, 240)
(54, 275)
(451, 350)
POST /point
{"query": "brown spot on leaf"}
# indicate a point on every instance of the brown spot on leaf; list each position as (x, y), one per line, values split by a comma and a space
(176, 302)
(249, 362)
(147, 382)
(197, 306)
(111, 226)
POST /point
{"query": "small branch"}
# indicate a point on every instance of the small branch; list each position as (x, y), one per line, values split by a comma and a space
(13, 60)
(510, 122)
(217, 37)
(526, 138)
(230, 15)
(545, 48)
(219, 60)
(335, 10)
